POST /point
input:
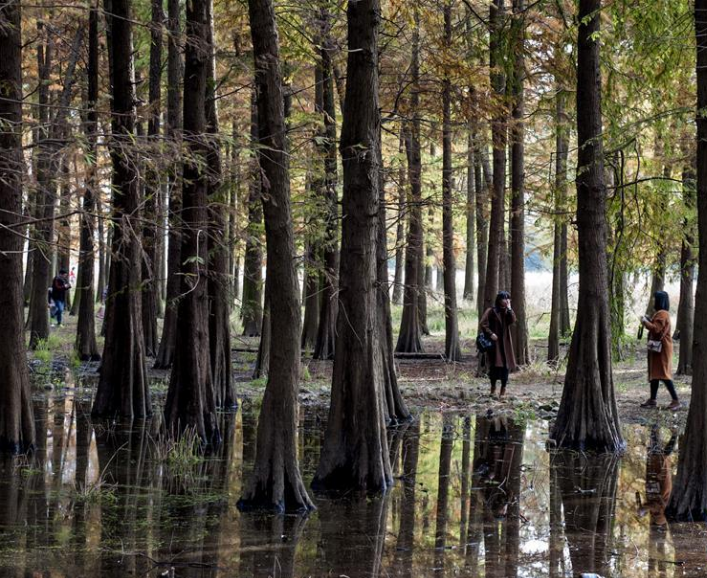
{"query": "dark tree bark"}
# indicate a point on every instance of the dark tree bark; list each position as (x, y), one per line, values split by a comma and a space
(276, 482)
(409, 336)
(101, 249)
(328, 309)
(153, 190)
(520, 333)
(588, 417)
(86, 345)
(400, 227)
(16, 416)
(560, 233)
(496, 253)
(252, 310)
(452, 349)
(469, 279)
(686, 309)
(63, 232)
(191, 399)
(423, 283)
(219, 286)
(122, 387)
(355, 449)
(482, 224)
(165, 353)
(689, 498)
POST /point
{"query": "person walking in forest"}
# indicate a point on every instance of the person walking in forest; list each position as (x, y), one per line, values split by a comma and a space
(496, 324)
(60, 286)
(660, 350)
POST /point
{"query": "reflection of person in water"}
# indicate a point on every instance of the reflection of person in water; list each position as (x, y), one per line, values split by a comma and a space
(659, 485)
(659, 481)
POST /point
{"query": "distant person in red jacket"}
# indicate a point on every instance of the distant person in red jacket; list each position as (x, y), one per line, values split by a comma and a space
(60, 286)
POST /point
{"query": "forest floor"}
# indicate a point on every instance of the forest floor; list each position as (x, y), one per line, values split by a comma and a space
(534, 392)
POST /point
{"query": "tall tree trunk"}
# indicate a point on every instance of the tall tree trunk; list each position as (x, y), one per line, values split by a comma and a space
(328, 309)
(123, 386)
(482, 223)
(165, 354)
(86, 346)
(310, 296)
(153, 189)
(63, 233)
(496, 253)
(471, 248)
(16, 416)
(252, 310)
(38, 317)
(588, 417)
(452, 350)
(520, 335)
(395, 409)
(688, 501)
(686, 310)
(355, 448)
(560, 223)
(219, 286)
(657, 284)
(423, 282)
(191, 399)
(276, 482)
(101, 243)
(409, 336)
(400, 227)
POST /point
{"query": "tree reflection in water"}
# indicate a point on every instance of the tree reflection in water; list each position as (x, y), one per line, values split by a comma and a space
(587, 485)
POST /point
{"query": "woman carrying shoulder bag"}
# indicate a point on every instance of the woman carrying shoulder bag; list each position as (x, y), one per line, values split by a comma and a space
(496, 325)
(660, 351)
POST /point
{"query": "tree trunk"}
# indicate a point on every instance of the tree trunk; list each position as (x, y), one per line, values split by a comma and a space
(688, 501)
(153, 190)
(471, 248)
(496, 253)
(657, 284)
(409, 336)
(86, 346)
(482, 224)
(560, 226)
(191, 399)
(63, 233)
(400, 228)
(588, 417)
(310, 297)
(252, 310)
(122, 387)
(423, 284)
(452, 350)
(276, 482)
(328, 309)
(16, 416)
(219, 286)
(38, 317)
(355, 448)
(686, 310)
(165, 354)
(395, 409)
(101, 248)
(520, 331)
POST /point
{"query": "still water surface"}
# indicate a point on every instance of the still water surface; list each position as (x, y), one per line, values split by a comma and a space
(474, 496)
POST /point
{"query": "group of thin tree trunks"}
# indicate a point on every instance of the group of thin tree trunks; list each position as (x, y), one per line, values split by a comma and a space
(346, 289)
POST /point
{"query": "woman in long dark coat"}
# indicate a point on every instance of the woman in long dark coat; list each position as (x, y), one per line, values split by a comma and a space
(496, 324)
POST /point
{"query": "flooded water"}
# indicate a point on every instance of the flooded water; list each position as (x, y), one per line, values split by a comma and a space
(474, 496)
